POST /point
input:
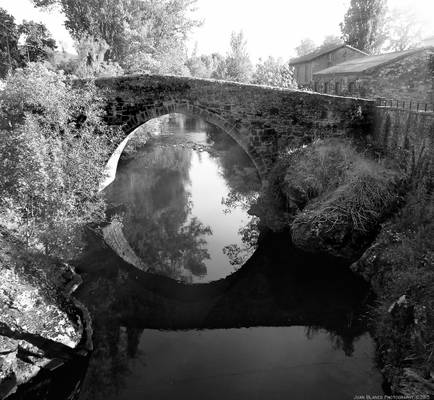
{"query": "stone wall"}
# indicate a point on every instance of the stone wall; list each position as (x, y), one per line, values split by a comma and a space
(263, 120)
(403, 134)
(410, 78)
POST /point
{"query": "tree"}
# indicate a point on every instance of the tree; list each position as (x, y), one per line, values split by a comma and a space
(274, 72)
(37, 41)
(306, 46)
(237, 66)
(363, 26)
(404, 31)
(128, 26)
(90, 62)
(53, 147)
(330, 40)
(203, 66)
(10, 57)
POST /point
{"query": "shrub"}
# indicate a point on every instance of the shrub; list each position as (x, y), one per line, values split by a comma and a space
(53, 147)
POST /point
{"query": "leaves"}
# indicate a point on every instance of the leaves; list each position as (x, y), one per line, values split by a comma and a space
(273, 72)
(51, 165)
(363, 26)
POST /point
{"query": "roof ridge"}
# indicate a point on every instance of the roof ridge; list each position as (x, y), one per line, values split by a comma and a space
(364, 62)
(321, 51)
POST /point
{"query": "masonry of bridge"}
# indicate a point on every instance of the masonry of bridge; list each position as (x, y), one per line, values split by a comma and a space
(265, 121)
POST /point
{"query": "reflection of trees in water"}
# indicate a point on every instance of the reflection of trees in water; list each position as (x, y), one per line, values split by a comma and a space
(279, 287)
(243, 180)
(111, 361)
(154, 190)
(338, 341)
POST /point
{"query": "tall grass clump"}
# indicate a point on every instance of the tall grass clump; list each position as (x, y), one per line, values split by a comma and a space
(333, 184)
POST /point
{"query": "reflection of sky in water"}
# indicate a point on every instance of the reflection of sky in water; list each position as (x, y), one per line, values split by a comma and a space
(254, 363)
(207, 189)
(174, 222)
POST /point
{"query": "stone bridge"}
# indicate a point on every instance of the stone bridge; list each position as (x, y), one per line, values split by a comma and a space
(263, 120)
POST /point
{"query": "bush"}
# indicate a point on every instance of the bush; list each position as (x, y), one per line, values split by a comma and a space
(404, 257)
(53, 147)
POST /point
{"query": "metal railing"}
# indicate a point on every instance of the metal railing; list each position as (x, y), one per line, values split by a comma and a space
(405, 104)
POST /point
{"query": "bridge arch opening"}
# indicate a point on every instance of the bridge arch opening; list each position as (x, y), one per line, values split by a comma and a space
(189, 110)
(193, 111)
(190, 175)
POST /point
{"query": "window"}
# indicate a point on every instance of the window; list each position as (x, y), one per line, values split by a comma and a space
(351, 87)
(315, 86)
(326, 87)
(337, 87)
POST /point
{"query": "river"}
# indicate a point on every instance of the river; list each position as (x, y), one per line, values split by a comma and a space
(191, 298)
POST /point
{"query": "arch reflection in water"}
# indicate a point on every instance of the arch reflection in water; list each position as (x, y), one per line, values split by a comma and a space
(156, 338)
(181, 202)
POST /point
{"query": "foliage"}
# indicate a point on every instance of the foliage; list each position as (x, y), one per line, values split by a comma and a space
(91, 62)
(404, 255)
(346, 185)
(204, 66)
(274, 72)
(53, 150)
(404, 31)
(10, 57)
(37, 41)
(363, 26)
(331, 40)
(237, 66)
(168, 59)
(146, 28)
(306, 46)
(367, 193)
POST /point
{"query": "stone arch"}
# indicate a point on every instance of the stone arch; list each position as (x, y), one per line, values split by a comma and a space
(193, 110)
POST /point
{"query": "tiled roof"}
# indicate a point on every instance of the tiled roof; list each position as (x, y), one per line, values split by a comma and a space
(365, 64)
(320, 52)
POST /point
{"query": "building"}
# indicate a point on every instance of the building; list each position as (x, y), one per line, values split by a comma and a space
(405, 75)
(427, 42)
(324, 57)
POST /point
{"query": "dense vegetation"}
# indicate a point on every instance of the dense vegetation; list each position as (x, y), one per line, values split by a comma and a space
(53, 146)
(332, 197)
(399, 264)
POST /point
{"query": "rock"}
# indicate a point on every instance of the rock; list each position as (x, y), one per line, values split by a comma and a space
(8, 345)
(39, 321)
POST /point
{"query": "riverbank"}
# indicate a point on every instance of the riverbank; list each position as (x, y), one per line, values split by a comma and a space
(42, 327)
(337, 201)
(399, 266)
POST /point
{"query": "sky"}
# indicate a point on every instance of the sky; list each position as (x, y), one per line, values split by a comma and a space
(271, 27)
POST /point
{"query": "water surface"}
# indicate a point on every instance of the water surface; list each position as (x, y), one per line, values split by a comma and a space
(268, 321)
(184, 206)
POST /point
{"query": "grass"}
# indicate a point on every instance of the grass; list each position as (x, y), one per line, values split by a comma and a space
(332, 196)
